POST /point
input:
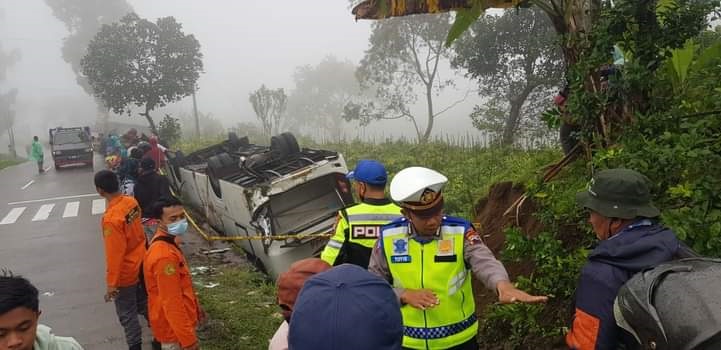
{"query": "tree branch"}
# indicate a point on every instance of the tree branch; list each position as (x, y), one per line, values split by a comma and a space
(417, 62)
(468, 92)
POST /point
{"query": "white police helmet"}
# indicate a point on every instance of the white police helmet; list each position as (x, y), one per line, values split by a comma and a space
(418, 188)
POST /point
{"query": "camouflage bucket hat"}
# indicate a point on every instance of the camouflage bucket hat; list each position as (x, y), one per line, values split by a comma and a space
(619, 193)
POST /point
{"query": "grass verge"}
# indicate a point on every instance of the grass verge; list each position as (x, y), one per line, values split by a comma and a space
(242, 307)
(7, 161)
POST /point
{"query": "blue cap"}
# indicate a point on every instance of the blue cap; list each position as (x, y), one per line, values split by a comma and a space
(347, 308)
(370, 172)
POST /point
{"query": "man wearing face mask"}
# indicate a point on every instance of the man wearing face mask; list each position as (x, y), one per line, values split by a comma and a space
(428, 258)
(358, 226)
(631, 240)
(124, 251)
(174, 310)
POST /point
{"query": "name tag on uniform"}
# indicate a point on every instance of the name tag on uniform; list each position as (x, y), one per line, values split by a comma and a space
(399, 259)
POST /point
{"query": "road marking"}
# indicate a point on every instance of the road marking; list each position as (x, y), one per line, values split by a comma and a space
(27, 184)
(71, 209)
(44, 212)
(54, 199)
(12, 216)
(98, 206)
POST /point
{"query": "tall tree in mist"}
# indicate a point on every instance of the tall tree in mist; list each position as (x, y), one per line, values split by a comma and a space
(519, 66)
(83, 19)
(136, 62)
(321, 92)
(404, 54)
(269, 106)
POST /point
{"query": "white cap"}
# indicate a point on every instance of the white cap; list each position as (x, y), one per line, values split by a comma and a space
(417, 188)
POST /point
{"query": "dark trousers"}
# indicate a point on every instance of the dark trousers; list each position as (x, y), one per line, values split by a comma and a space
(469, 345)
(130, 303)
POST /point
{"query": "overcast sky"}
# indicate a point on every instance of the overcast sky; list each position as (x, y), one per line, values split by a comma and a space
(245, 44)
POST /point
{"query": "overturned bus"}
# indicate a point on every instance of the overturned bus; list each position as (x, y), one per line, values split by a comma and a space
(273, 195)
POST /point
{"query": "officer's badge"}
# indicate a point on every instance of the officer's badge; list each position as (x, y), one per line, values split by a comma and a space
(169, 269)
(400, 251)
(445, 247)
(428, 196)
(400, 246)
(107, 231)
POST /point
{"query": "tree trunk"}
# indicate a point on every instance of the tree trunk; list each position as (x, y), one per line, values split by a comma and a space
(514, 115)
(429, 101)
(509, 130)
(147, 116)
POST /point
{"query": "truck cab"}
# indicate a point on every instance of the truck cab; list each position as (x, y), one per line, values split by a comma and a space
(71, 146)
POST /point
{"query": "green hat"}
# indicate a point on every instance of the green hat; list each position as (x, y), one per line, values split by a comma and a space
(619, 193)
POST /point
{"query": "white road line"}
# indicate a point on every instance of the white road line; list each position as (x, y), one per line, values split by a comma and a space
(98, 206)
(71, 209)
(54, 199)
(12, 216)
(27, 184)
(44, 212)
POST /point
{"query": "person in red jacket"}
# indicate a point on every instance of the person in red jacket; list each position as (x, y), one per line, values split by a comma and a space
(124, 251)
(174, 310)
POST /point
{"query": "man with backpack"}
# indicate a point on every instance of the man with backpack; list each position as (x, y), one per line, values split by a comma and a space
(174, 311)
(631, 240)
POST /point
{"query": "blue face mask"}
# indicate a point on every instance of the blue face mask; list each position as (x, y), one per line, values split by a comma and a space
(178, 228)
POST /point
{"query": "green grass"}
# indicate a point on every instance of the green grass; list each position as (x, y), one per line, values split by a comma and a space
(242, 308)
(7, 161)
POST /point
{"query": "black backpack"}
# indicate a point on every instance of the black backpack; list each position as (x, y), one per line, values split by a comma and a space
(673, 306)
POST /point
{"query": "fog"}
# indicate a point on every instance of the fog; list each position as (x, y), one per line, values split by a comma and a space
(244, 43)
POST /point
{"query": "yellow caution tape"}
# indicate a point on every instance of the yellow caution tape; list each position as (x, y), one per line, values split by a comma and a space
(208, 237)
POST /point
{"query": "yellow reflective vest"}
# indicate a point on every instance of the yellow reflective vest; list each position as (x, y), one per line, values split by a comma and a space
(437, 265)
(357, 230)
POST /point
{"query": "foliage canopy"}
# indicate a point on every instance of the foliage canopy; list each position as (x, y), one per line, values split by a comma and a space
(141, 63)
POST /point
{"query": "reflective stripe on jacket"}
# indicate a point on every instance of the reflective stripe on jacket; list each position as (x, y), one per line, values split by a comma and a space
(437, 265)
(361, 225)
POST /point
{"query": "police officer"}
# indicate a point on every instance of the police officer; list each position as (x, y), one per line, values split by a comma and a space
(429, 257)
(358, 227)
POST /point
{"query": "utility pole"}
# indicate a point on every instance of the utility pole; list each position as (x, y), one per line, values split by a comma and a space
(195, 115)
(10, 115)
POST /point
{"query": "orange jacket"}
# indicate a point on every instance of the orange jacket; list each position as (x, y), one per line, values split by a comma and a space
(124, 241)
(173, 309)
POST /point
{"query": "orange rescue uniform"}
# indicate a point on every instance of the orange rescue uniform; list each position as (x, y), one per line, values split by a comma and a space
(173, 308)
(124, 241)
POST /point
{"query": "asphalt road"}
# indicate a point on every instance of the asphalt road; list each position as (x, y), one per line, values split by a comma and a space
(50, 234)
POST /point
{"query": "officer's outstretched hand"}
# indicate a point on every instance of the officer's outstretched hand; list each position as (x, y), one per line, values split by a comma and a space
(509, 294)
(419, 298)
